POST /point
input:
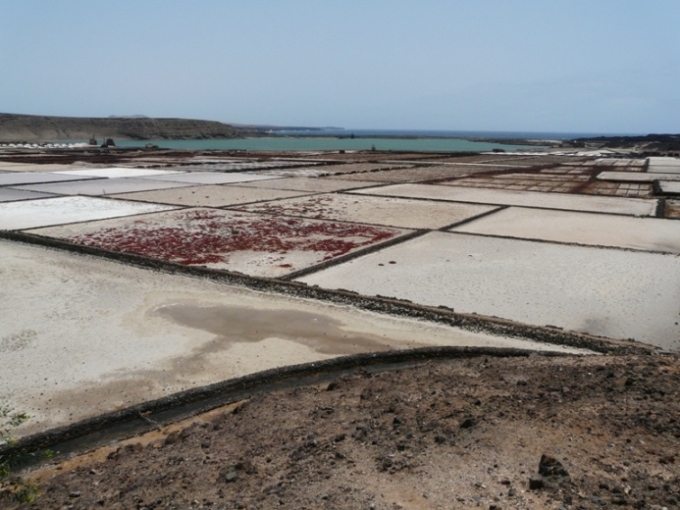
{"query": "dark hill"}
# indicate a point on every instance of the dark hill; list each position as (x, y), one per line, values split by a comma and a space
(655, 142)
(42, 128)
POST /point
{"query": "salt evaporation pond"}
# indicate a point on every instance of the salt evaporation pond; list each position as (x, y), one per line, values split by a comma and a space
(608, 292)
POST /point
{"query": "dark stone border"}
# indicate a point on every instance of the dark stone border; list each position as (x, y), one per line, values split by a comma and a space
(380, 304)
(356, 254)
(103, 429)
(656, 184)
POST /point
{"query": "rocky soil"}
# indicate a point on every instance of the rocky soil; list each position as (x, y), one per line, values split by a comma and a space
(530, 433)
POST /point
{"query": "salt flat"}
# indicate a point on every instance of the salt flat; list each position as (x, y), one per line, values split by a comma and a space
(669, 187)
(98, 187)
(11, 195)
(591, 203)
(395, 212)
(32, 167)
(313, 184)
(613, 293)
(664, 165)
(211, 196)
(650, 234)
(212, 165)
(56, 211)
(421, 173)
(113, 172)
(332, 169)
(253, 244)
(127, 336)
(210, 177)
(19, 178)
(636, 176)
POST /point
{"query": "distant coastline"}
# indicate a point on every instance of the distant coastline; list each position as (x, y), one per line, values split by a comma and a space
(37, 128)
(138, 130)
(330, 143)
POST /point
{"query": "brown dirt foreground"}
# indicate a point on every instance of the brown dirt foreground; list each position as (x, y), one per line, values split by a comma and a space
(456, 434)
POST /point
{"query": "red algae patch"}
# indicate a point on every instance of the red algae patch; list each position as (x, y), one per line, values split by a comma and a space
(255, 244)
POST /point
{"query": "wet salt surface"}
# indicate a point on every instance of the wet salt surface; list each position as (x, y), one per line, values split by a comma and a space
(60, 210)
(395, 212)
(81, 336)
(608, 292)
(588, 203)
(650, 234)
(241, 324)
(254, 244)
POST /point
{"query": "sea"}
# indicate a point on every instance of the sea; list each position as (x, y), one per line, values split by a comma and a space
(332, 139)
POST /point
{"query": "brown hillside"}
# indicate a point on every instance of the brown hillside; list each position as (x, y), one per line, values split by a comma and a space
(42, 128)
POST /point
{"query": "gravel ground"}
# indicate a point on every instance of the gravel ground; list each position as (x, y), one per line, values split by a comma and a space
(472, 433)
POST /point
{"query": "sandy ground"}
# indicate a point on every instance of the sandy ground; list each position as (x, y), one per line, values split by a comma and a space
(114, 335)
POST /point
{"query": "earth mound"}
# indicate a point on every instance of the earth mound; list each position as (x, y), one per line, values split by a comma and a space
(493, 433)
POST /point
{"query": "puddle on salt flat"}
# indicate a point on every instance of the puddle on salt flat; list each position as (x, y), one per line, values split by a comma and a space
(240, 324)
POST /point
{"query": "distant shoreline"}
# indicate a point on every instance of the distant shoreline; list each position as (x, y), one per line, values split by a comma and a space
(126, 131)
(505, 141)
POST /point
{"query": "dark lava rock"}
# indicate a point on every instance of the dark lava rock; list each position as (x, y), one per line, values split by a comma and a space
(172, 438)
(536, 482)
(551, 467)
(468, 423)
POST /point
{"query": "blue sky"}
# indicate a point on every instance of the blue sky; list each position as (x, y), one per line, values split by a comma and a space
(610, 66)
